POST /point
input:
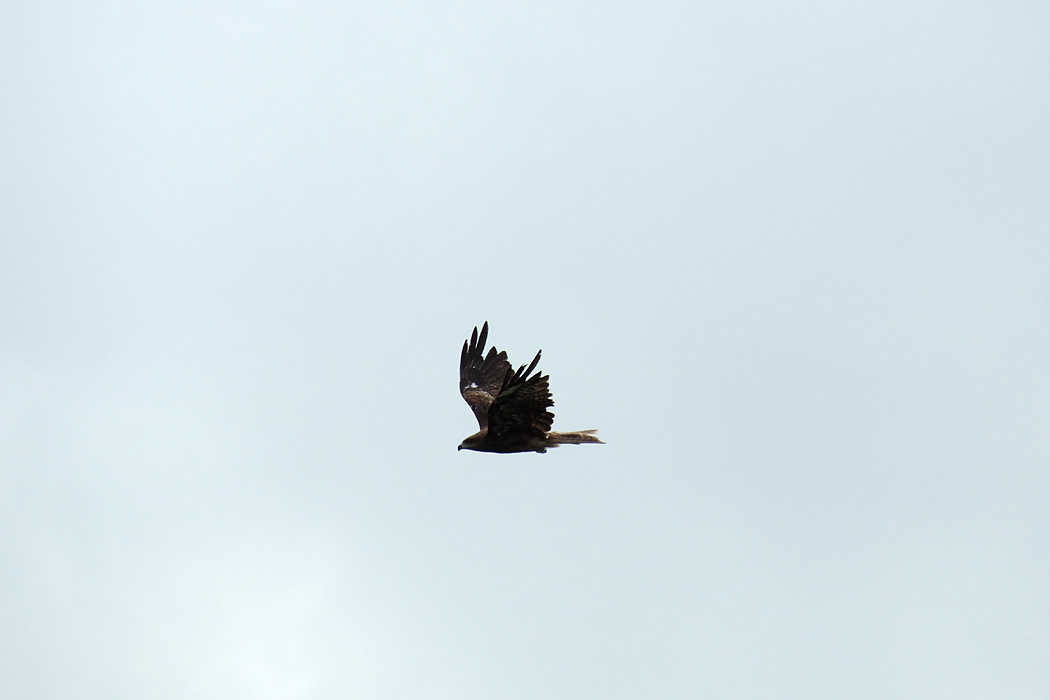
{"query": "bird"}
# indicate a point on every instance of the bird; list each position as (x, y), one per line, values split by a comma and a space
(511, 406)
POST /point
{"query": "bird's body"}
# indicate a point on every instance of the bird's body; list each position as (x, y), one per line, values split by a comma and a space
(511, 407)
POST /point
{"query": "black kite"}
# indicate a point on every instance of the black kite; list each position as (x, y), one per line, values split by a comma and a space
(511, 407)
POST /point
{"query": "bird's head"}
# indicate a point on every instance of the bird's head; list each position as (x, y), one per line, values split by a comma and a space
(472, 442)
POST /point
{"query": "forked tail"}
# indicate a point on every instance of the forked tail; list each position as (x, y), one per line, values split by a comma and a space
(577, 438)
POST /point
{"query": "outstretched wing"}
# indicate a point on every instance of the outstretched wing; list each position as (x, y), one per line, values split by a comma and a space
(481, 376)
(520, 407)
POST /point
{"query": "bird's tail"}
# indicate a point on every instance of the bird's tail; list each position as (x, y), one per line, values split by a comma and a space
(577, 438)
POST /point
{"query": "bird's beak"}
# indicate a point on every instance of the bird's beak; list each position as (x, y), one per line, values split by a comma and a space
(459, 448)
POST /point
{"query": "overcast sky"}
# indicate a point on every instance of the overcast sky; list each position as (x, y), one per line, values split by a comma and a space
(792, 261)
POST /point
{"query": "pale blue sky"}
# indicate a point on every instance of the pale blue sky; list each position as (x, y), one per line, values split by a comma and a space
(791, 261)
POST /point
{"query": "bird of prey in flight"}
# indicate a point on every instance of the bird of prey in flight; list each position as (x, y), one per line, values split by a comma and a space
(511, 407)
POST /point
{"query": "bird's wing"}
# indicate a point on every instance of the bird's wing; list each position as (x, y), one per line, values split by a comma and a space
(521, 405)
(481, 376)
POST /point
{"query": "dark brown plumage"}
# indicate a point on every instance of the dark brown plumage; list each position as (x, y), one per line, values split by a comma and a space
(511, 406)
